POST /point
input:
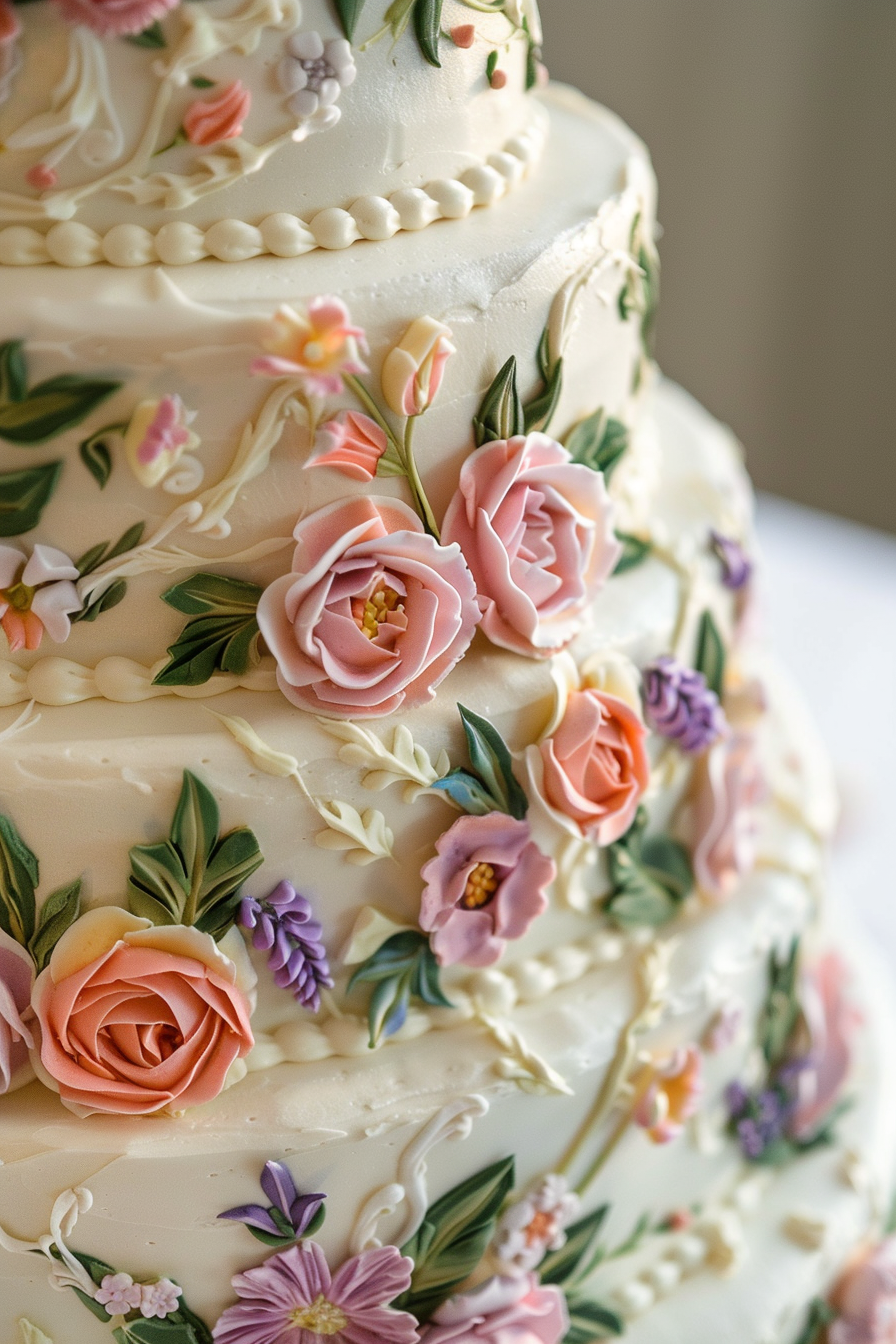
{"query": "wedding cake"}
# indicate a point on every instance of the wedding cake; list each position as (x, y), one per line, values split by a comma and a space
(412, 910)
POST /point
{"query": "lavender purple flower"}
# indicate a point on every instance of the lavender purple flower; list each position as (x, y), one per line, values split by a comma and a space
(761, 1118)
(284, 926)
(737, 567)
(290, 1215)
(680, 705)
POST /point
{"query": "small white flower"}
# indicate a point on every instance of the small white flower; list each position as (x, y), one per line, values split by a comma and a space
(313, 74)
(158, 1300)
(536, 1225)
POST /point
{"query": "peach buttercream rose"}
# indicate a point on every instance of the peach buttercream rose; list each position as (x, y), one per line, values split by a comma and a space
(536, 529)
(134, 1018)
(374, 613)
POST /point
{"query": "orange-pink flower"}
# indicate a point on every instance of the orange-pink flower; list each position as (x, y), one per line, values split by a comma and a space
(209, 121)
(115, 18)
(668, 1094)
(37, 596)
(320, 345)
(352, 443)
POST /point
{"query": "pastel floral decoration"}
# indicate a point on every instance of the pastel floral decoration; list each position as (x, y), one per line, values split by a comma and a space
(724, 1027)
(728, 788)
(485, 886)
(668, 1094)
(679, 705)
(832, 1021)
(42, 177)
(511, 1310)
(157, 436)
(289, 1215)
(37, 596)
(524, 13)
(119, 1294)
(283, 925)
(135, 1018)
(320, 346)
(10, 55)
(413, 369)
(374, 614)
(737, 567)
(865, 1297)
(535, 1224)
(313, 74)
(158, 1300)
(16, 978)
(536, 530)
(352, 443)
(463, 35)
(115, 18)
(294, 1296)
(211, 121)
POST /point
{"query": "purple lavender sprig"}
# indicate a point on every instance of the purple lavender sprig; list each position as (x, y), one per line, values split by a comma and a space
(681, 706)
(290, 1215)
(283, 925)
(737, 567)
(761, 1119)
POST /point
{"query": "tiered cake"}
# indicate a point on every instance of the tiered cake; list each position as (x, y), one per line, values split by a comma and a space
(388, 751)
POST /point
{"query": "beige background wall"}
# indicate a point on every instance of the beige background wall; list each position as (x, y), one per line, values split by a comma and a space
(772, 125)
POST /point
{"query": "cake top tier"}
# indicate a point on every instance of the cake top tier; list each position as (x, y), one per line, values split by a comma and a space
(322, 120)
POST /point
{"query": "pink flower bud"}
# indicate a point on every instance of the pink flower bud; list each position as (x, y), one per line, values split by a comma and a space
(209, 121)
(463, 35)
(498, 79)
(412, 372)
(353, 444)
(42, 176)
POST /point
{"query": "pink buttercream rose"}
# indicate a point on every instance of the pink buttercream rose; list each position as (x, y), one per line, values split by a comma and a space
(537, 532)
(352, 443)
(374, 613)
(115, 18)
(210, 121)
(831, 1020)
(135, 1019)
(485, 886)
(595, 766)
(16, 977)
(728, 788)
(502, 1311)
(865, 1297)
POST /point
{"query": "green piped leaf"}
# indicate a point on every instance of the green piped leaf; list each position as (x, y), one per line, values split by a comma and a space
(819, 1317)
(428, 28)
(634, 552)
(24, 495)
(398, 16)
(52, 407)
(203, 594)
(151, 37)
(453, 1237)
(19, 876)
(466, 792)
(200, 82)
(96, 454)
(404, 967)
(493, 765)
(710, 658)
(13, 372)
(540, 410)
(58, 913)
(599, 442)
(349, 12)
(106, 598)
(651, 876)
(580, 1253)
(491, 65)
(589, 1321)
(167, 1331)
(223, 634)
(501, 414)
(781, 1011)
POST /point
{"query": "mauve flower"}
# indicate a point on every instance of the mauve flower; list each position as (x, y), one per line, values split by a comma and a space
(865, 1297)
(680, 705)
(502, 1311)
(119, 1294)
(296, 1212)
(211, 121)
(37, 595)
(727, 790)
(16, 978)
(157, 437)
(737, 567)
(536, 1224)
(536, 530)
(313, 73)
(668, 1095)
(284, 926)
(832, 1021)
(485, 886)
(595, 767)
(293, 1299)
(320, 346)
(136, 1018)
(115, 18)
(159, 1299)
(352, 443)
(374, 613)
(413, 369)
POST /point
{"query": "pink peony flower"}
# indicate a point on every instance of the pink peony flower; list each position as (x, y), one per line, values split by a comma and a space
(485, 886)
(353, 444)
(832, 1021)
(115, 18)
(159, 1299)
(374, 613)
(728, 788)
(320, 345)
(42, 176)
(157, 437)
(537, 532)
(595, 765)
(119, 1294)
(293, 1297)
(865, 1297)
(16, 977)
(136, 1019)
(37, 595)
(536, 1224)
(668, 1094)
(502, 1311)
(210, 121)
(413, 369)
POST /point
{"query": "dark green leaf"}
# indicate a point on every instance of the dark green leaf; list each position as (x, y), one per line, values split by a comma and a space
(52, 407)
(200, 82)
(428, 28)
(104, 601)
(598, 442)
(467, 792)
(781, 1011)
(97, 1270)
(633, 1240)
(97, 455)
(210, 644)
(157, 887)
(710, 658)
(200, 1329)
(234, 859)
(453, 1238)
(532, 54)
(194, 828)
(127, 541)
(13, 372)
(403, 966)
(651, 875)
(589, 1321)
(491, 65)
(349, 12)
(24, 495)
(634, 552)
(167, 1331)
(58, 913)
(819, 1317)
(492, 762)
(388, 1007)
(669, 860)
(152, 37)
(538, 411)
(425, 980)
(543, 354)
(18, 879)
(205, 594)
(103, 551)
(501, 414)
(576, 1258)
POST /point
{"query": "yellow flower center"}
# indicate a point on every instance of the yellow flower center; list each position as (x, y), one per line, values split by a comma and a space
(314, 352)
(481, 887)
(321, 1317)
(375, 610)
(19, 596)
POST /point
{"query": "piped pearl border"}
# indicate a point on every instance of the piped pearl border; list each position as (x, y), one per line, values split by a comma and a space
(71, 244)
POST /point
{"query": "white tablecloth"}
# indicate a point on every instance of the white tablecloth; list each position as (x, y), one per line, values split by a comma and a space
(830, 593)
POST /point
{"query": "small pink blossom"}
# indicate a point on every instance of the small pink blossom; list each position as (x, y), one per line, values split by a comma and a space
(115, 18)
(498, 79)
(463, 35)
(211, 121)
(158, 1300)
(119, 1294)
(536, 1224)
(294, 1297)
(502, 1311)
(832, 1021)
(865, 1297)
(42, 176)
(16, 979)
(668, 1094)
(320, 346)
(352, 443)
(485, 886)
(37, 596)
(413, 369)
(724, 1027)
(728, 789)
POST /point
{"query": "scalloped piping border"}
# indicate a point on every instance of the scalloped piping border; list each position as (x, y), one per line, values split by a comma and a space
(376, 218)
